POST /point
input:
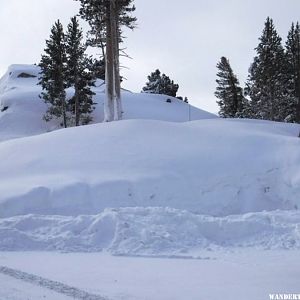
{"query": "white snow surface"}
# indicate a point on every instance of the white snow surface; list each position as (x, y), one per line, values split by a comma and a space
(150, 232)
(239, 275)
(14, 289)
(151, 185)
(23, 116)
(214, 167)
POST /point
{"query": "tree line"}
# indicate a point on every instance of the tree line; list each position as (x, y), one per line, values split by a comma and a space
(272, 90)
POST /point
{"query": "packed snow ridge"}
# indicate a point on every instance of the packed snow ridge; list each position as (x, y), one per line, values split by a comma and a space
(150, 232)
(152, 184)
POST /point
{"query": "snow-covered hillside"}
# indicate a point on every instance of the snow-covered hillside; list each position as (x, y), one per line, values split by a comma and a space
(215, 192)
(21, 109)
(152, 185)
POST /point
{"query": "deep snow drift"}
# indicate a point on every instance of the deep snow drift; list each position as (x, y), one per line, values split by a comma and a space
(215, 167)
(155, 185)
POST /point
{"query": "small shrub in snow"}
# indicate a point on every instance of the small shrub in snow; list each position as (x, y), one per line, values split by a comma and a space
(160, 84)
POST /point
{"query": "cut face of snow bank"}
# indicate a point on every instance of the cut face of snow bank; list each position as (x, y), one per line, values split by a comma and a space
(150, 231)
(215, 167)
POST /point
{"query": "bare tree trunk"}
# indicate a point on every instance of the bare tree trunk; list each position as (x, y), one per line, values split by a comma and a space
(113, 105)
(117, 79)
(119, 108)
(102, 46)
(76, 100)
(64, 114)
(62, 98)
(115, 43)
(109, 70)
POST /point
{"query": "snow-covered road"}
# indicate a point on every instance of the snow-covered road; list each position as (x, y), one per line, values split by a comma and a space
(235, 275)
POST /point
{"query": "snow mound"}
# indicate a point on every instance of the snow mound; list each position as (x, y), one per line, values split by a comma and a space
(152, 185)
(21, 109)
(151, 232)
(215, 167)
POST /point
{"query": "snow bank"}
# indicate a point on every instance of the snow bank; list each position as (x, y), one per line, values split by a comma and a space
(216, 167)
(150, 231)
(21, 109)
(227, 183)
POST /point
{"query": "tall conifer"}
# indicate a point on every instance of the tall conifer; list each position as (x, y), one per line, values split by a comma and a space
(266, 83)
(293, 67)
(52, 80)
(78, 75)
(231, 100)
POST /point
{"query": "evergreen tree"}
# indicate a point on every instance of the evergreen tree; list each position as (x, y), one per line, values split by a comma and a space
(77, 74)
(266, 85)
(152, 86)
(293, 67)
(52, 80)
(232, 102)
(160, 84)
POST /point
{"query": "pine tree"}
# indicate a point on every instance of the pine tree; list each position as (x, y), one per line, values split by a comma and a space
(97, 67)
(160, 84)
(106, 17)
(77, 74)
(266, 83)
(52, 80)
(232, 103)
(153, 84)
(293, 71)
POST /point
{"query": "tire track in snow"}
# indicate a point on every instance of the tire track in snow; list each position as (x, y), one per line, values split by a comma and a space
(56, 286)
